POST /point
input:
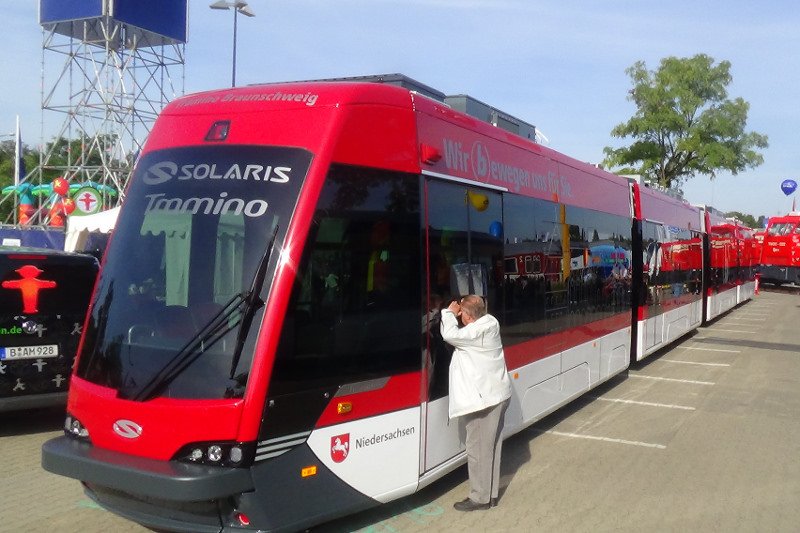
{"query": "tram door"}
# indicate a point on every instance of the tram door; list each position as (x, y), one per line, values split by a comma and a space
(464, 256)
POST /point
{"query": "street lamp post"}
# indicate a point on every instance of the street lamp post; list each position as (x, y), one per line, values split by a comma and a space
(238, 6)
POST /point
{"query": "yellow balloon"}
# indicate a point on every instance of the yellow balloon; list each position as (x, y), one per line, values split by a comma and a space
(479, 201)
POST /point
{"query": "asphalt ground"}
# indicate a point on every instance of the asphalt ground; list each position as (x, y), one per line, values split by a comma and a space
(704, 436)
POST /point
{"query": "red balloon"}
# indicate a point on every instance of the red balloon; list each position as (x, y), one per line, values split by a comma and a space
(56, 220)
(25, 212)
(60, 186)
(68, 204)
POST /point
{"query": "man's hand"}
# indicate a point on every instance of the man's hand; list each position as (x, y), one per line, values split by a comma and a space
(454, 307)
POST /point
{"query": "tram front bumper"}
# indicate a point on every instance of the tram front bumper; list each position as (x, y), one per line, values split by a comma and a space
(168, 480)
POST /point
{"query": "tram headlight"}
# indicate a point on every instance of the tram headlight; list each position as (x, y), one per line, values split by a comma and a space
(235, 454)
(214, 453)
(74, 428)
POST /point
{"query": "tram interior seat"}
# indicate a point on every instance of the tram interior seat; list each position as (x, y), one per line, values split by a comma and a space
(176, 321)
(204, 312)
(141, 319)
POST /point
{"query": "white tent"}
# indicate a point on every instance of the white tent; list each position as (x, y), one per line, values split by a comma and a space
(79, 227)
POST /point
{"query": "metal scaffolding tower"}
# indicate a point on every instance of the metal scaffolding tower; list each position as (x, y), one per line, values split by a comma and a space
(107, 71)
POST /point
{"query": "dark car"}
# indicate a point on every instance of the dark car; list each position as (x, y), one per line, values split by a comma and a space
(44, 295)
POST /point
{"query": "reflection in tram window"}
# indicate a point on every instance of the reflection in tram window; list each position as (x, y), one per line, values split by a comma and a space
(583, 275)
(672, 265)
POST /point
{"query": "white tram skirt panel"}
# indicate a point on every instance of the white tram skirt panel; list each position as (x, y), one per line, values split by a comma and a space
(543, 386)
(745, 291)
(659, 331)
(721, 302)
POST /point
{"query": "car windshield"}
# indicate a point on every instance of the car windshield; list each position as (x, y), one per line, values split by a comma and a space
(195, 228)
(781, 228)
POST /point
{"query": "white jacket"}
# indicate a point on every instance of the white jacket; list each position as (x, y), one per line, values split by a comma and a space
(478, 373)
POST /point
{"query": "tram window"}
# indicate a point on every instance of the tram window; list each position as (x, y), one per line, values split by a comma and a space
(466, 256)
(780, 229)
(355, 312)
(573, 284)
(229, 256)
(672, 264)
(167, 262)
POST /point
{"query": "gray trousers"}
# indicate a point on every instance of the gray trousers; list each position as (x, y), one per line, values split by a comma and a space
(483, 451)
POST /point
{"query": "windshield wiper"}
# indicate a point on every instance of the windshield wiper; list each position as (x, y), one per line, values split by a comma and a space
(252, 303)
(216, 328)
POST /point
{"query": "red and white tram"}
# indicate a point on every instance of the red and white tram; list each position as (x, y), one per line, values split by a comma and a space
(262, 348)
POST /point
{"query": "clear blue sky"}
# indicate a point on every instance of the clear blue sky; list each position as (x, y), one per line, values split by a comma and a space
(557, 64)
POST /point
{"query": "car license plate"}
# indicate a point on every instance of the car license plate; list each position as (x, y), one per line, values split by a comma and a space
(29, 352)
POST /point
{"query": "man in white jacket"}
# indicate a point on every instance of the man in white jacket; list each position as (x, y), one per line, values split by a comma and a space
(479, 392)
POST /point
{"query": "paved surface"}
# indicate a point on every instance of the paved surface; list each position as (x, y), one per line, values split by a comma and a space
(702, 437)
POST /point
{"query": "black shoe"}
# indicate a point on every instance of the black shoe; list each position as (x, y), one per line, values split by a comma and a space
(493, 502)
(469, 505)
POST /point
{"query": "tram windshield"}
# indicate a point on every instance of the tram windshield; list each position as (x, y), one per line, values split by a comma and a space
(184, 273)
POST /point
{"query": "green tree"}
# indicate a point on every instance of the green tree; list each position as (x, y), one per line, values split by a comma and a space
(6, 176)
(7, 168)
(684, 124)
(6, 163)
(65, 152)
(748, 220)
